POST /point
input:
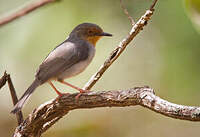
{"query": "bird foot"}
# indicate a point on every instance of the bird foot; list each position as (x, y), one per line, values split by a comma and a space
(83, 91)
(79, 94)
(61, 94)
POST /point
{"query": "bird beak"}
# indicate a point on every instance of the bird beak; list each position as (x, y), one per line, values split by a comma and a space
(105, 34)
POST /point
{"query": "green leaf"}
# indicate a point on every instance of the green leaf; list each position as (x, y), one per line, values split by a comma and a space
(193, 11)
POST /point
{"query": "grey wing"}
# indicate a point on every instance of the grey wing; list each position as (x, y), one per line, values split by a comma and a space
(57, 61)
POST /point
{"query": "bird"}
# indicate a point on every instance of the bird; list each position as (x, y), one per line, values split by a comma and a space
(68, 59)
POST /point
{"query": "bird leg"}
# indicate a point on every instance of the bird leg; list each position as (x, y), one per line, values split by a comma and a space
(58, 92)
(72, 86)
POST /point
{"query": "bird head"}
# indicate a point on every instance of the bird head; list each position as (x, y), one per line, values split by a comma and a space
(89, 32)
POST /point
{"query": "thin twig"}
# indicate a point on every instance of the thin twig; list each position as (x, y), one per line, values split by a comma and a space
(3, 80)
(13, 94)
(6, 78)
(47, 114)
(34, 5)
(126, 12)
(120, 48)
(153, 5)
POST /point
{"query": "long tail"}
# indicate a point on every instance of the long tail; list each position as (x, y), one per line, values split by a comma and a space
(25, 96)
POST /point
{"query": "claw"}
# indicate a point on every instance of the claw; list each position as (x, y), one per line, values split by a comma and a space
(79, 94)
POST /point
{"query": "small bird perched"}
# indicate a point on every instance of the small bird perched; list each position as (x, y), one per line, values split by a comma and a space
(67, 60)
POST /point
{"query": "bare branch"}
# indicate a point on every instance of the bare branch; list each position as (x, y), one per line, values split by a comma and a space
(119, 49)
(19, 114)
(137, 27)
(153, 5)
(6, 78)
(126, 12)
(47, 114)
(3, 80)
(34, 5)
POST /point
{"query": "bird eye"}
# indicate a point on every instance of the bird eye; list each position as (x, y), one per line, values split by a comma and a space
(90, 32)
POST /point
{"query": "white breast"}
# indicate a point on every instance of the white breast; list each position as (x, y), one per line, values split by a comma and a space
(79, 67)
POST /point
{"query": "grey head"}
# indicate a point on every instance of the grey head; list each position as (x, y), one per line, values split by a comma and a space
(88, 31)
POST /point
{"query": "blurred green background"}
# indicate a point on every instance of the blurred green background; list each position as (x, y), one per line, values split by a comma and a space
(165, 56)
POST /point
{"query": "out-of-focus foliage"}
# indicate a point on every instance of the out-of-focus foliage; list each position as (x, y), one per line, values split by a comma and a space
(193, 10)
(165, 56)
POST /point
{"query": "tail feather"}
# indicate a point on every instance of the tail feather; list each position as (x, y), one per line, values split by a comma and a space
(25, 96)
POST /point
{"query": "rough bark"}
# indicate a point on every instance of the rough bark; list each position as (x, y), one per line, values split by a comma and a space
(49, 113)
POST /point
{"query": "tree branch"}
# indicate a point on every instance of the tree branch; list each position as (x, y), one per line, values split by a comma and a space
(47, 114)
(19, 114)
(136, 28)
(6, 78)
(34, 5)
(127, 14)
(3, 80)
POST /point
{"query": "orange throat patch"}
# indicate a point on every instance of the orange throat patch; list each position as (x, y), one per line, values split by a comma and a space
(93, 40)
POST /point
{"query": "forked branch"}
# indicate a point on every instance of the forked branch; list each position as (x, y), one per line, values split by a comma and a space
(6, 78)
(25, 10)
(47, 114)
(136, 28)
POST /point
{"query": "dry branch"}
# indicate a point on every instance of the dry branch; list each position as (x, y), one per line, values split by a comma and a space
(6, 78)
(47, 114)
(136, 28)
(127, 14)
(3, 80)
(31, 7)
(42, 118)
(19, 114)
